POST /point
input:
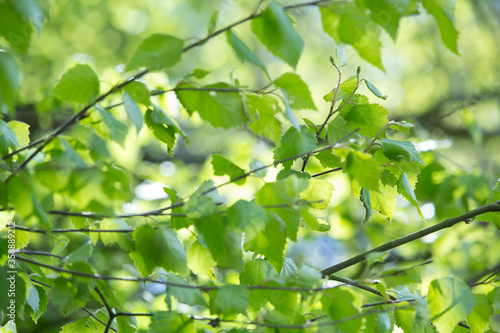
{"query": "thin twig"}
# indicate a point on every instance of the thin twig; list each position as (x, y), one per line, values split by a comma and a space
(493, 207)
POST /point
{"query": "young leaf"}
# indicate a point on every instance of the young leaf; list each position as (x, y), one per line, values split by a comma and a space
(293, 143)
(374, 90)
(328, 159)
(248, 217)
(14, 28)
(224, 244)
(242, 51)
(169, 321)
(297, 91)
(158, 248)
(163, 127)
(318, 193)
(116, 130)
(338, 129)
(83, 253)
(230, 300)
(10, 81)
(346, 89)
(262, 109)
(157, 52)
(364, 169)
(367, 203)
(79, 84)
(139, 92)
(200, 260)
(8, 139)
(222, 166)
(219, 108)
(480, 316)
(404, 150)
(493, 217)
(369, 118)
(284, 41)
(352, 25)
(189, 296)
(256, 272)
(404, 187)
(339, 303)
(450, 301)
(444, 19)
(133, 111)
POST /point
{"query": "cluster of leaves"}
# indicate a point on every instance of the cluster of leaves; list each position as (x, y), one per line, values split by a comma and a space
(236, 248)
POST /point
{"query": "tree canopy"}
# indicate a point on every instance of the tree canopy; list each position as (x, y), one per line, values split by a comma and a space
(249, 166)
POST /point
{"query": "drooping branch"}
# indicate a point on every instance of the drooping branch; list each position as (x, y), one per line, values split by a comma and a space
(493, 207)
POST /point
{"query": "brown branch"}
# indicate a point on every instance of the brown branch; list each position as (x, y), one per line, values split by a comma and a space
(493, 207)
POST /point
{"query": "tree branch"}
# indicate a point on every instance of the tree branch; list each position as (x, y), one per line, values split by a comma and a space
(73, 120)
(493, 207)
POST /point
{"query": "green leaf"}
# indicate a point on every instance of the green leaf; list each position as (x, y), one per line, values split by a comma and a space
(345, 90)
(159, 248)
(318, 193)
(283, 42)
(374, 90)
(387, 13)
(339, 303)
(29, 9)
(450, 301)
(200, 260)
(157, 52)
(133, 111)
(242, 51)
(296, 90)
(369, 118)
(83, 253)
(494, 196)
(338, 129)
(14, 28)
(230, 300)
(404, 187)
(111, 238)
(351, 24)
(65, 294)
(401, 150)
(480, 316)
(289, 268)
(201, 205)
(163, 127)
(219, 108)
(83, 325)
(224, 244)
(222, 166)
(367, 203)
(261, 110)
(172, 322)
(189, 296)
(283, 192)
(126, 324)
(294, 143)
(328, 159)
(10, 81)
(8, 139)
(444, 19)
(42, 304)
(33, 299)
(116, 130)
(79, 84)
(256, 272)
(364, 169)
(139, 92)
(248, 217)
